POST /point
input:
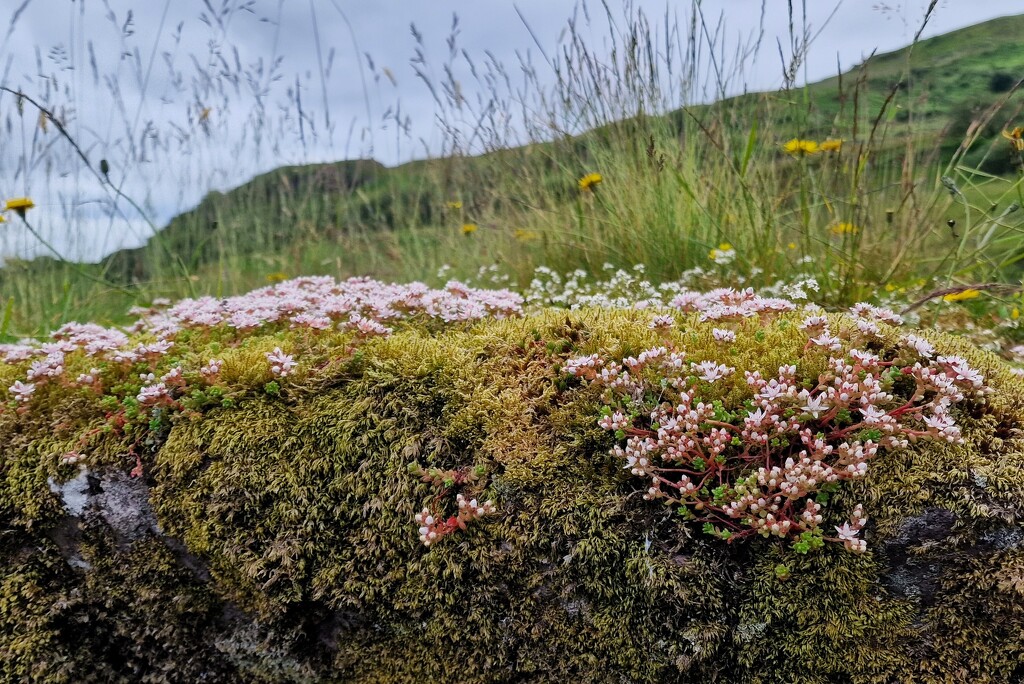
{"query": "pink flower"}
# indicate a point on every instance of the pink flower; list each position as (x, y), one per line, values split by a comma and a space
(846, 532)
(813, 324)
(616, 421)
(212, 369)
(958, 369)
(583, 366)
(50, 367)
(470, 509)
(367, 326)
(827, 340)
(158, 348)
(868, 328)
(88, 378)
(848, 535)
(281, 364)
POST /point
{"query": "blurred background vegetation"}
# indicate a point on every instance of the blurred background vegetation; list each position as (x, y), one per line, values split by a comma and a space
(914, 175)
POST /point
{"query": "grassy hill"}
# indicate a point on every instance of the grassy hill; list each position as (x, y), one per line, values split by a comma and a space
(951, 80)
(674, 188)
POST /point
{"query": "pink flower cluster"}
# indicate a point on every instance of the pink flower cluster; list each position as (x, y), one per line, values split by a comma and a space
(433, 528)
(160, 392)
(362, 305)
(51, 366)
(321, 302)
(90, 379)
(432, 524)
(728, 304)
(767, 468)
(153, 394)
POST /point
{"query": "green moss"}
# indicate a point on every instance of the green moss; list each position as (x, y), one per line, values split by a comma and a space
(28, 591)
(116, 616)
(300, 509)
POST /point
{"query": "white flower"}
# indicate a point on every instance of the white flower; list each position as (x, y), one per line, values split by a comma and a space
(827, 340)
(847, 532)
(723, 256)
(872, 415)
(814, 405)
(709, 371)
(919, 345)
(661, 322)
(281, 364)
(721, 335)
(22, 391)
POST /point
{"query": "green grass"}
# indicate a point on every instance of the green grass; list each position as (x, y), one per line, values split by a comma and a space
(675, 187)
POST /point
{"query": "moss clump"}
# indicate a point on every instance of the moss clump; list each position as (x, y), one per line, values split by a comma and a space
(286, 527)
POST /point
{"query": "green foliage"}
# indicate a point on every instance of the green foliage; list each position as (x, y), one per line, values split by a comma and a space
(293, 521)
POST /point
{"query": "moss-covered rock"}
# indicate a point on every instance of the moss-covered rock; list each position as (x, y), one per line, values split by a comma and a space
(273, 539)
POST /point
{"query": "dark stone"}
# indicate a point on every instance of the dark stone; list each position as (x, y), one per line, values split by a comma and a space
(912, 576)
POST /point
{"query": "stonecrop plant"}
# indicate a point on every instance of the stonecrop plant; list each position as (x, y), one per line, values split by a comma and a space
(769, 466)
(179, 359)
(432, 523)
(357, 305)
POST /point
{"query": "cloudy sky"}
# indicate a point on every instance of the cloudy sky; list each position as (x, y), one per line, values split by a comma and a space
(187, 96)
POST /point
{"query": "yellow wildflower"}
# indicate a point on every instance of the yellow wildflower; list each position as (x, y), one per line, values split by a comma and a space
(590, 181)
(792, 245)
(797, 147)
(2, 219)
(844, 228)
(889, 287)
(1015, 314)
(831, 145)
(524, 235)
(455, 204)
(19, 205)
(969, 293)
(469, 228)
(1016, 138)
(723, 255)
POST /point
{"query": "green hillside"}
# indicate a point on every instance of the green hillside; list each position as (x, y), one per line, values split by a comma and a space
(952, 78)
